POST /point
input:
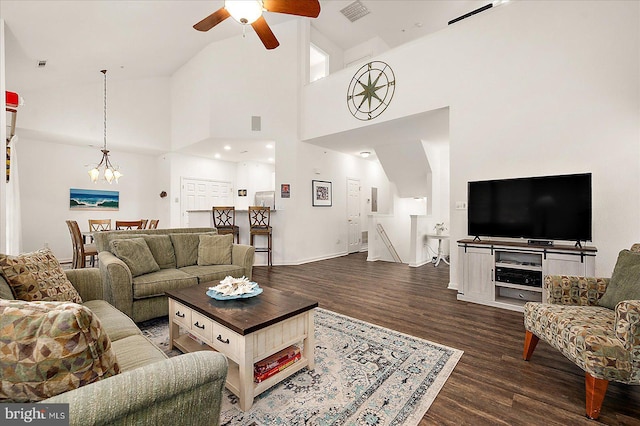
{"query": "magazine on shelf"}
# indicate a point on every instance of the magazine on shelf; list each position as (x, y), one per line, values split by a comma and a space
(264, 376)
(276, 359)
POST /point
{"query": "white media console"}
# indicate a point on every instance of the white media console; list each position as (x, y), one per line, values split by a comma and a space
(507, 274)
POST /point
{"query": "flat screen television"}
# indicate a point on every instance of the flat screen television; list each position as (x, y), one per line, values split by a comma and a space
(543, 208)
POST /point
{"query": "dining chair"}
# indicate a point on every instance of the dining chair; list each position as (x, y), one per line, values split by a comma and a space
(224, 220)
(80, 249)
(153, 223)
(259, 219)
(144, 223)
(128, 224)
(99, 225)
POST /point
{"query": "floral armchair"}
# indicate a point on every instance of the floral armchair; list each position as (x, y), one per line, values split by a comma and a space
(594, 322)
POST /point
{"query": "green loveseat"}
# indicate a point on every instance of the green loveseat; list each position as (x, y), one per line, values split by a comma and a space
(150, 388)
(176, 253)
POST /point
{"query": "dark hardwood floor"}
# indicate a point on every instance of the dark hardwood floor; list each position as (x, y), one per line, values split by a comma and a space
(491, 385)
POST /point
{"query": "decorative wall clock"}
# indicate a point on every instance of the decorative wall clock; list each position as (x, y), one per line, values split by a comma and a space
(371, 90)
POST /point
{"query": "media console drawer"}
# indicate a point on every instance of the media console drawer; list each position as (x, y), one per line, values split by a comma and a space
(514, 293)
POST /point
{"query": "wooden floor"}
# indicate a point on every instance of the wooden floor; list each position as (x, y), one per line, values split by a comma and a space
(491, 385)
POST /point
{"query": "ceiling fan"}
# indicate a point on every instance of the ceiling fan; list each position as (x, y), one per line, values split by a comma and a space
(250, 12)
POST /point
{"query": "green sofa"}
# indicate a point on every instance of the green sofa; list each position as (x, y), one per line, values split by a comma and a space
(176, 253)
(150, 388)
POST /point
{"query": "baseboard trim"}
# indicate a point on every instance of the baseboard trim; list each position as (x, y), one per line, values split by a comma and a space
(417, 265)
(308, 260)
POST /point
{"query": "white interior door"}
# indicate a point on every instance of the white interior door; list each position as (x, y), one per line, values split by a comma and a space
(353, 215)
(202, 194)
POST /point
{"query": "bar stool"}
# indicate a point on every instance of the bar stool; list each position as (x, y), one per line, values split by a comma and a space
(224, 220)
(259, 218)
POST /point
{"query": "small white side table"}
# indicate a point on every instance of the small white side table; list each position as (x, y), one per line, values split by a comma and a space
(440, 256)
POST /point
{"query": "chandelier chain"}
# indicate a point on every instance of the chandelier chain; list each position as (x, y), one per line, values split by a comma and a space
(105, 108)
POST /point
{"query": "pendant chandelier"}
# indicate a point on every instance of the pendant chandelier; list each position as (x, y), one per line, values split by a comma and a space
(109, 173)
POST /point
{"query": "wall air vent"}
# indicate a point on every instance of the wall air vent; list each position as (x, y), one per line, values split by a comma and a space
(355, 11)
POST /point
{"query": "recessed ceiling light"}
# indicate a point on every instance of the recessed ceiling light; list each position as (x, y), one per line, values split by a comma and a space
(270, 159)
(227, 147)
(365, 154)
(269, 146)
(217, 156)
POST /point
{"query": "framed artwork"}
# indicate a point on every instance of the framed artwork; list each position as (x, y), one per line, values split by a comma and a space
(285, 190)
(91, 199)
(321, 193)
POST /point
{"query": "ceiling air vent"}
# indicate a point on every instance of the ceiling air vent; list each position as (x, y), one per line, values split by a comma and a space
(355, 11)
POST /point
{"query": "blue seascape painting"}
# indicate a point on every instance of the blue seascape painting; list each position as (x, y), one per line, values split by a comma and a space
(91, 199)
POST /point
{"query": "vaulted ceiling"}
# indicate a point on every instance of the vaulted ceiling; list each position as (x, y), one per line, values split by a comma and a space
(153, 38)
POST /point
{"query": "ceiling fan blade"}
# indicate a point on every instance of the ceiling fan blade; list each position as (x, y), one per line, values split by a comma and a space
(309, 8)
(264, 32)
(212, 20)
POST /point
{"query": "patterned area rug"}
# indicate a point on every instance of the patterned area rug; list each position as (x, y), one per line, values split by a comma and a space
(364, 375)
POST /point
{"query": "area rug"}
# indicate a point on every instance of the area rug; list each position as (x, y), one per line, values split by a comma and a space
(364, 375)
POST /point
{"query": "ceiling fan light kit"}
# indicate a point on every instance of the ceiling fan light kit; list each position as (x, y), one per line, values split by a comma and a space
(250, 12)
(244, 11)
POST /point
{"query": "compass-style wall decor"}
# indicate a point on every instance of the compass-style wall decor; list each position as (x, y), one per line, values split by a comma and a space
(371, 90)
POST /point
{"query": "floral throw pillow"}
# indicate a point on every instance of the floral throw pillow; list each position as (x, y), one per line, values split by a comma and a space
(47, 348)
(37, 276)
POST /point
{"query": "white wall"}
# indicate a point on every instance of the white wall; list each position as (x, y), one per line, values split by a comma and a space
(253, 81)
(137, 114)
(336, 54)
(48, 170)
(534, 88)
(364, 52)
(184, 166)
(60, 135)
(253, 176)
(3, 137)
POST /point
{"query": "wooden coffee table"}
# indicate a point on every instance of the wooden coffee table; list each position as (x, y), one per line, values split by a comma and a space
(245, 330)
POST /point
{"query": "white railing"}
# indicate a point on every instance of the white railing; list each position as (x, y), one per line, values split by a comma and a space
(387, 242)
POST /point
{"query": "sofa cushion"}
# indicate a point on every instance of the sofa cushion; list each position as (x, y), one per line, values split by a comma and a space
(136, 351)
(625, 280)
(115, 323)
(37, 276)
(136, 254)
(186, 248)
(210, 273)
(215, 249)
(156, 283)
(47, 348)
(162, 249)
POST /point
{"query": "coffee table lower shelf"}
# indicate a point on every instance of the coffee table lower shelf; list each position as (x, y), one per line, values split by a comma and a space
(186, 344)
(242, 351)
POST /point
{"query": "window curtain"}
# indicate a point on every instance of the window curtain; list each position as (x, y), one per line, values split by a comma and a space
(14, 223)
